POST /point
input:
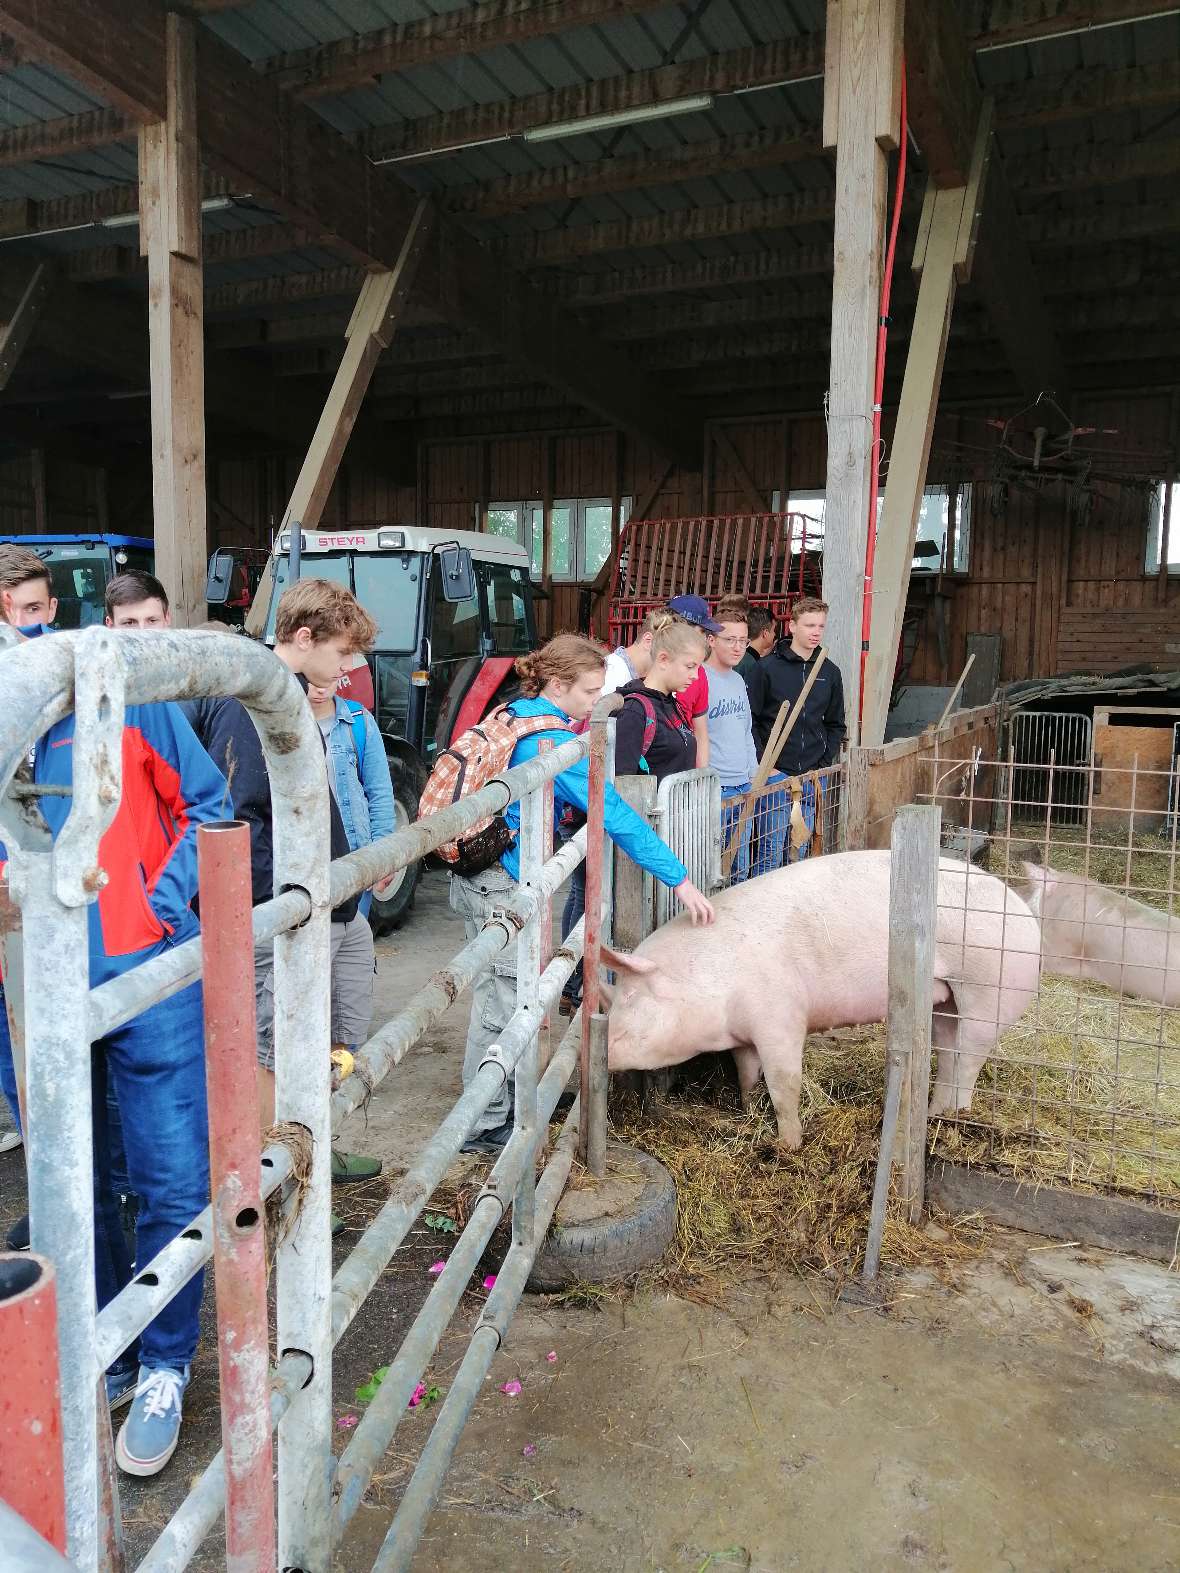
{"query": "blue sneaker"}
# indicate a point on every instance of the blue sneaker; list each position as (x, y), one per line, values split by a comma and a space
(121, 1383)
(148, 1438)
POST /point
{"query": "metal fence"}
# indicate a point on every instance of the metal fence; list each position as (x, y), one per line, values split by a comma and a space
(96, 674)
(1079, 1068)
(1038, 736)
(688, 817)
(788, 820)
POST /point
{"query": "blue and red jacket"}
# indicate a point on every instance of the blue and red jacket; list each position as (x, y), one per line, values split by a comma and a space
(149, 852)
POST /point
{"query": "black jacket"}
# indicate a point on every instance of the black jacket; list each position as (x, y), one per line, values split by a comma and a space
(227, 734)
(672, 748)
(819, 731)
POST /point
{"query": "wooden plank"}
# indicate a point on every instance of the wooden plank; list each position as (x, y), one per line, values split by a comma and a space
(890, 48)
(998, 24)
(374, 320)
(756, 65)
(651, 491)
(831, 117)
(17, 329)
(67, 134)
(491, 24)
(975, 193)
(1077, 95)
(942, 94)
(170, 233)
(634, 895)
(913, 923)
(856, 289)
(1111, 1223)
(752, 268)
(769, 148)
(908, 460)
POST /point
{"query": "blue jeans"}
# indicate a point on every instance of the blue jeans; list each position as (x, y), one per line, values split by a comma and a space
(730, 814)
(120, 1184)
(156, 1066)
(572, 914)
(775, 826)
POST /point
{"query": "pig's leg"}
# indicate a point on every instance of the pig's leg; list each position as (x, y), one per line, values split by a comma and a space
(780, 1048)
(749, 1072)
(964, 1033)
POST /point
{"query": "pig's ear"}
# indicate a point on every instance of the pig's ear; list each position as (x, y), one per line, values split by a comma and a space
(620, 961)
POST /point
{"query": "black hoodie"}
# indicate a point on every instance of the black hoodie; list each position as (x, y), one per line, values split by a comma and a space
(819, 731)
(673, 745)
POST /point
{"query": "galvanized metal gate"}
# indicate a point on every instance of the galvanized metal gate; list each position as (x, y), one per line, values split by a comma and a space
(1051, 752)
(96, 673)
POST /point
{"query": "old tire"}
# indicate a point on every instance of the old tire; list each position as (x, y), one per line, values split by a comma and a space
(609, 1231)
(391, 910)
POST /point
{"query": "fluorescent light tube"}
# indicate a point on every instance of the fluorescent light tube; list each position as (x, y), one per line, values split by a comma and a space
(621, 117)
(126, 220)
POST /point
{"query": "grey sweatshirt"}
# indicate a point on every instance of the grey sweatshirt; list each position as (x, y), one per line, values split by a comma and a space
(731, 736)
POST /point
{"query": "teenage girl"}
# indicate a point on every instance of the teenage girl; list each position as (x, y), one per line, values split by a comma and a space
(651, 735)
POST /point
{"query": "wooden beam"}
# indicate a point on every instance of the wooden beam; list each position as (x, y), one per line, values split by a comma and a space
(492, 24)
(861, 176)
(170, 235)
(542, 248)
(570, 182)
(295, 163)
(756, 267)
(371, 329)
(998, 24)
(1102, 226)
(234, 245)
(758, 65)
(1076, 95)
(68, 134)
(1093, 164)
(17, 328)
(908, 458)
(943, 95)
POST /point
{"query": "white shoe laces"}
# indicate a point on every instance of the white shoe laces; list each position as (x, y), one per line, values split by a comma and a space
(163, 1389)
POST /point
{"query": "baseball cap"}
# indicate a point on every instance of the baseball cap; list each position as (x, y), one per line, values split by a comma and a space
(694, 609)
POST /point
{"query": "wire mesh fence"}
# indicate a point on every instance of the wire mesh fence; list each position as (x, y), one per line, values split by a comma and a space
(790, 819)
(1082, 1082)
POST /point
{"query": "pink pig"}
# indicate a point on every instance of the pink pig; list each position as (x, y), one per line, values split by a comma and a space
(805, 949)
(1091, 931)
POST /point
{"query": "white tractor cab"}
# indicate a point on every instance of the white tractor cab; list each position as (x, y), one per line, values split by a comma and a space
(453, 608)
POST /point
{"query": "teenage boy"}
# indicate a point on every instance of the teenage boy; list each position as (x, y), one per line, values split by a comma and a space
(320, 628)
(694, 701)
(763, 635)
(731, 736)
(818, 734)
(135, 599)
(156, 1062)
(26, 599)
(628, 662)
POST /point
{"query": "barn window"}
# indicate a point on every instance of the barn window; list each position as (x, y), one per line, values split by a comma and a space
(934, 524)
(581, 529)
(1162, 510)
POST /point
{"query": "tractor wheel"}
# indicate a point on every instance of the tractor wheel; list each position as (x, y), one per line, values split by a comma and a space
(391, 909)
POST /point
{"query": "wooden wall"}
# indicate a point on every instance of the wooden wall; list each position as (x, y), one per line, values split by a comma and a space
(1035, 568)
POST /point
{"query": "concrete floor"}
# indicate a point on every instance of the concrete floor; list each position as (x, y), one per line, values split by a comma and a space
(1025, 1415)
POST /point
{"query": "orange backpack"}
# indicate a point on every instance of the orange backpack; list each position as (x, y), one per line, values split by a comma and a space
(469, 763)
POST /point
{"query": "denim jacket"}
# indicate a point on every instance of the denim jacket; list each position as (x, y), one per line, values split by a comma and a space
(365, 796)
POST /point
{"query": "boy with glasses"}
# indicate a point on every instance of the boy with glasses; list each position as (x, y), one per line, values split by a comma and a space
(732, 752)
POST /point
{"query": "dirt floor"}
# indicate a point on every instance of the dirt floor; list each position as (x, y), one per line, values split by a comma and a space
(1022, 1412)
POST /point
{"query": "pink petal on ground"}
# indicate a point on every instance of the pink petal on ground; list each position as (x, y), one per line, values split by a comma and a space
(529, 1449)
(490, 1281)
(417, 1396)
(511, 1388)
(436, 1268)
(345, 1421)
(551, 1356)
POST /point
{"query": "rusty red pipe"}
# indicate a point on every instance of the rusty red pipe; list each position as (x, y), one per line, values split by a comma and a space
(32, 1470)
(239, 1235)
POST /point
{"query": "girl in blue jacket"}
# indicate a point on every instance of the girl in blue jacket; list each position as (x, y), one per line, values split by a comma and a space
(563, 679)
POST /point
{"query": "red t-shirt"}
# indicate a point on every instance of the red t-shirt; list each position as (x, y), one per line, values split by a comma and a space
(694, 701)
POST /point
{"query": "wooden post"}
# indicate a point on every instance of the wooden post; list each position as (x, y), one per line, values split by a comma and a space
(170, 238)
(855, 829)
(40, 489)
(860, 59)
(634, 900)
(913, 918)
(369, 332)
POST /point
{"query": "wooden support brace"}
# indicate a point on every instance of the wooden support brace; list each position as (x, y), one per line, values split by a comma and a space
(745, 480)
(15, 333)
(370, 330)
(897, 531)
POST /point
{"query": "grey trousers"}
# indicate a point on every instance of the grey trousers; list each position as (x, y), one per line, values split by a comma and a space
(493, 994)
(353, 966)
